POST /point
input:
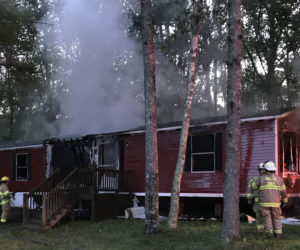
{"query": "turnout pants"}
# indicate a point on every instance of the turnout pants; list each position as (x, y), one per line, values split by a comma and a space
(5, 212)
(272, 220)
(259, 218)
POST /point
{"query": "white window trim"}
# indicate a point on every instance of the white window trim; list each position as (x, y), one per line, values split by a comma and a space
(16, 174)
(204, 153)
(117, 162)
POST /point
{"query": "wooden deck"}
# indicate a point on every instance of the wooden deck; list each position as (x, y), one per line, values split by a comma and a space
(56, 196)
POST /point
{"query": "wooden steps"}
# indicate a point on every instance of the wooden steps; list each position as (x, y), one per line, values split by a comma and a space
(57, 195)
(36, 223)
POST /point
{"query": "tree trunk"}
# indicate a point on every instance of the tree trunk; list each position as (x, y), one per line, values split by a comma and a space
(175, 193)
(151, 182)
(215, 89)
(11, 105)
(207, 91)
(231, 220)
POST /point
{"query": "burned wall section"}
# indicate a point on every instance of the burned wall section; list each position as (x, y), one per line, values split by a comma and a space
(289, 150)
(107, 151)
(69, 154)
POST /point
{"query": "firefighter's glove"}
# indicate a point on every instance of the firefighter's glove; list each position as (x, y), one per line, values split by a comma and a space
(250, 201)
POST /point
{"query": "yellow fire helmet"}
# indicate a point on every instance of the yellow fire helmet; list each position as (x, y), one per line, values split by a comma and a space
(4, 178)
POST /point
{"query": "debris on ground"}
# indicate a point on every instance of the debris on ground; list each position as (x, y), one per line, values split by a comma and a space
(135, 213)
(291, 221)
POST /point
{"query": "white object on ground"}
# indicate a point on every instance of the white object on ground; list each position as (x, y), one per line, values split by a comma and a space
(18, 201)
(138, 213)
(291, 221)
(135, 212)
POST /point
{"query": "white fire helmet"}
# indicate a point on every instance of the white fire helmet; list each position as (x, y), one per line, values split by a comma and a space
(261, 166)
(270, 166)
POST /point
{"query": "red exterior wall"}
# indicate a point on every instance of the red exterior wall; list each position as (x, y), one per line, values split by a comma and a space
(38, 168)
(212, 182)
(134, 159)
(295, 190)
(257, 144)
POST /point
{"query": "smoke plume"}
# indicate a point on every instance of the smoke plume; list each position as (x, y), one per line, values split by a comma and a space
(99, 98)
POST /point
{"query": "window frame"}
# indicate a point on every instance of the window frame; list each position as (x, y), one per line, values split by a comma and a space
(22, 167)
(296, 138)
(203, 153)
(114, 166)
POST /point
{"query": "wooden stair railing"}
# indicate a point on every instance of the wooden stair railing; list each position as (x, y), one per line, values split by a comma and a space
(113, 180)
(60, 199)
(33, 201)
(52, 200)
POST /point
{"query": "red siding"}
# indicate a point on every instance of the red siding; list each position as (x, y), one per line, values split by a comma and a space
(38, 168)
(205, 182)
(257, 144)
(295, 189)
(134, 159)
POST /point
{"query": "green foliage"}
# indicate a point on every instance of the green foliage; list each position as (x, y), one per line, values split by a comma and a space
(270, 53)
(271, 49)
(27, 70)
(20, 85)
(174, 23)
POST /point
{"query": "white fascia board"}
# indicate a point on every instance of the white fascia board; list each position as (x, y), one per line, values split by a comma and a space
(185, 194)
(206, 124)
(261, 118)
(293, 195)
(200, 195)
(21, 147)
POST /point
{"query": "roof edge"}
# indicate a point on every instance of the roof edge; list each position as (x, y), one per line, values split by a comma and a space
(21, 147)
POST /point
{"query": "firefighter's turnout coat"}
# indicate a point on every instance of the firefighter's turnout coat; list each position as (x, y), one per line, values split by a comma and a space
(272, 193)
(4, 201)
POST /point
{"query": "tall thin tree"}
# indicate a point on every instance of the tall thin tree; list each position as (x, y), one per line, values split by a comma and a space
(231, 220)
(175, 192)
(151, 183)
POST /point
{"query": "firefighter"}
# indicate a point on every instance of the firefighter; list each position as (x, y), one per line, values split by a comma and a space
(252, 195)
(272, 193)
(5, 196)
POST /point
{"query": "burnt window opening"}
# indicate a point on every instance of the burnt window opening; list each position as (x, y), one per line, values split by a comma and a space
(290, 153)
(204, 153)
(108, 155)
(22, 167)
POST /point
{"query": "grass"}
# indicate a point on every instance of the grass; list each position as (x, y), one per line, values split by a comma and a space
(128, 235)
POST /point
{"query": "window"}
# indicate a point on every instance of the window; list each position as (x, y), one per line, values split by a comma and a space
(289, 153)
(108, 155)
(22, 167)
(204, 153)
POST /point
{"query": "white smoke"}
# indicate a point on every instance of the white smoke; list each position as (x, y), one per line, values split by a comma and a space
(99, 99)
